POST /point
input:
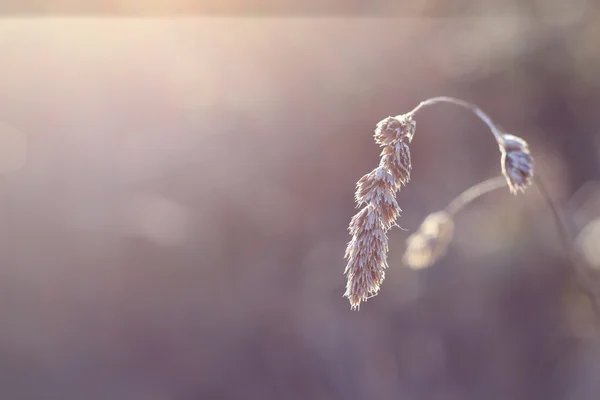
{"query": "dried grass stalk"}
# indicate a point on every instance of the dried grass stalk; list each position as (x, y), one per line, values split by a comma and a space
(366, 253)
(367, 250)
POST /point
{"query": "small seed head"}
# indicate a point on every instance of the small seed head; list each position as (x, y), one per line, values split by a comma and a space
(430, 242)
(517, 163)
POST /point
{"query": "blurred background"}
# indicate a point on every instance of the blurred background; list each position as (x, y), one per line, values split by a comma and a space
(175, 194)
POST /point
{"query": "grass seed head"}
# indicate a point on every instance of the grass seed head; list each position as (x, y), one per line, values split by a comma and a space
(430, 242)
(366, 252)
(517, 163)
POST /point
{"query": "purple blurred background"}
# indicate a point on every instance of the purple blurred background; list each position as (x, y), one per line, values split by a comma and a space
(175, 195)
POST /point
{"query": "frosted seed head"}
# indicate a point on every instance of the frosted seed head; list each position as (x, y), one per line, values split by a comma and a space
(366, 253)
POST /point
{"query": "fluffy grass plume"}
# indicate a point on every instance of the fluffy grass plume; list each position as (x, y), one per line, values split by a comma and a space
(376, 193)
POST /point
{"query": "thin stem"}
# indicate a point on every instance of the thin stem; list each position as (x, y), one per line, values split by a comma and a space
(476, 110)
(474, 192)
(578, 267)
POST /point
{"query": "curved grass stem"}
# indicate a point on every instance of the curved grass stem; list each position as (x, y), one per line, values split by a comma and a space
(475, 192)
(465, 104)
